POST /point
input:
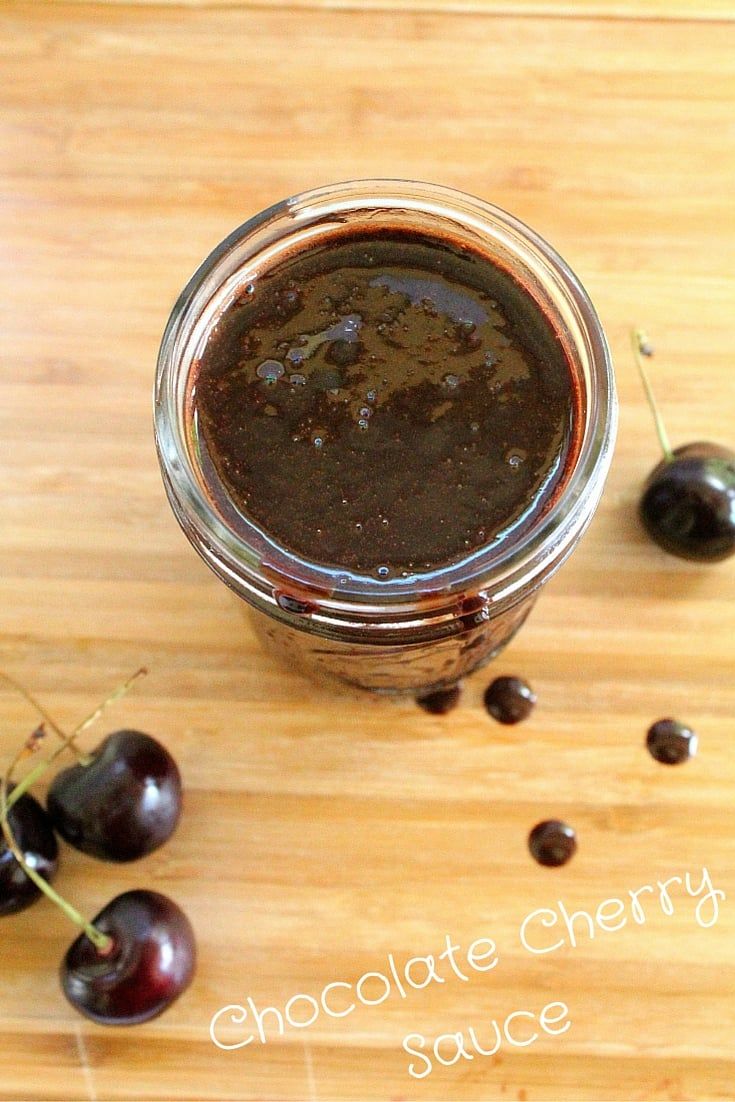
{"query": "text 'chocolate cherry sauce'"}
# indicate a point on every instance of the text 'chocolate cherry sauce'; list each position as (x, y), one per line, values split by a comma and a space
(386, 404)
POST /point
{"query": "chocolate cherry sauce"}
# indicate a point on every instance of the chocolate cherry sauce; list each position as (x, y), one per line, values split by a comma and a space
(386, 404)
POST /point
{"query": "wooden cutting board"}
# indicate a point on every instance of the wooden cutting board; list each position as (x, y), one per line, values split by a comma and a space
(325, 830)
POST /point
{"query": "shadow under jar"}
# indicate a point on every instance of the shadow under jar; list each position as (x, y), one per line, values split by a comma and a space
(384, 413)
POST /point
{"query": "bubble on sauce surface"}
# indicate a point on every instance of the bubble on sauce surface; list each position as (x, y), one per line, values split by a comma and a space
(270, 371)
(514, 457)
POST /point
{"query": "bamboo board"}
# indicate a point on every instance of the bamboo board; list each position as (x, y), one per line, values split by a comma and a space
(326, 830)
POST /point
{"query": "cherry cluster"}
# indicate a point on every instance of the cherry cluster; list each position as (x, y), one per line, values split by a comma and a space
(117, 803)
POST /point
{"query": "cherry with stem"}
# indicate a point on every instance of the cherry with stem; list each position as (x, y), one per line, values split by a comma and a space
(68, 742)
(101, 941)
(35, 838)
(139, 953)
(9, 798)
(29, 822)
(688, 501)
(122, 801)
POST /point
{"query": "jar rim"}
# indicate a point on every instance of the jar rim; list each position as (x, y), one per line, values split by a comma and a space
(502, 576)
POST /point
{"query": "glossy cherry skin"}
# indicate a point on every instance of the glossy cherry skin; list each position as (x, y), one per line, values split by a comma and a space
(122, 805)
(151, 961)
(688, 503)
(36, 840)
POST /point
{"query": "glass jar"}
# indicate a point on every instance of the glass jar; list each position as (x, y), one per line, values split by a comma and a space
(397, 634)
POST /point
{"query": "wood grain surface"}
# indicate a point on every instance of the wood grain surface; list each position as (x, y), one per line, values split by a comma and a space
(714, 10)
(325, 830)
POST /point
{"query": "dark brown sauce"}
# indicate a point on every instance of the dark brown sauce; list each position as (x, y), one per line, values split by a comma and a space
(671, 742)
(440, 701)
(552, 843)
(386, 405)
(509, 699)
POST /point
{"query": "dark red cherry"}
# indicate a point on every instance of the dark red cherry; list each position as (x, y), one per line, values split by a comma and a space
(688, 502)
(150, 962)
(32, 830)
(123, 804)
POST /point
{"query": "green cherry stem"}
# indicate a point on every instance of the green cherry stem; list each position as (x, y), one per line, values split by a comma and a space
(642, 347)
(120, 691)
(49, 719)
(30, 779)
(67, 742)
(102, 942)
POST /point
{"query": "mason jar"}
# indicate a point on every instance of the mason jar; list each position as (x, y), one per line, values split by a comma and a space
(410, 633)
